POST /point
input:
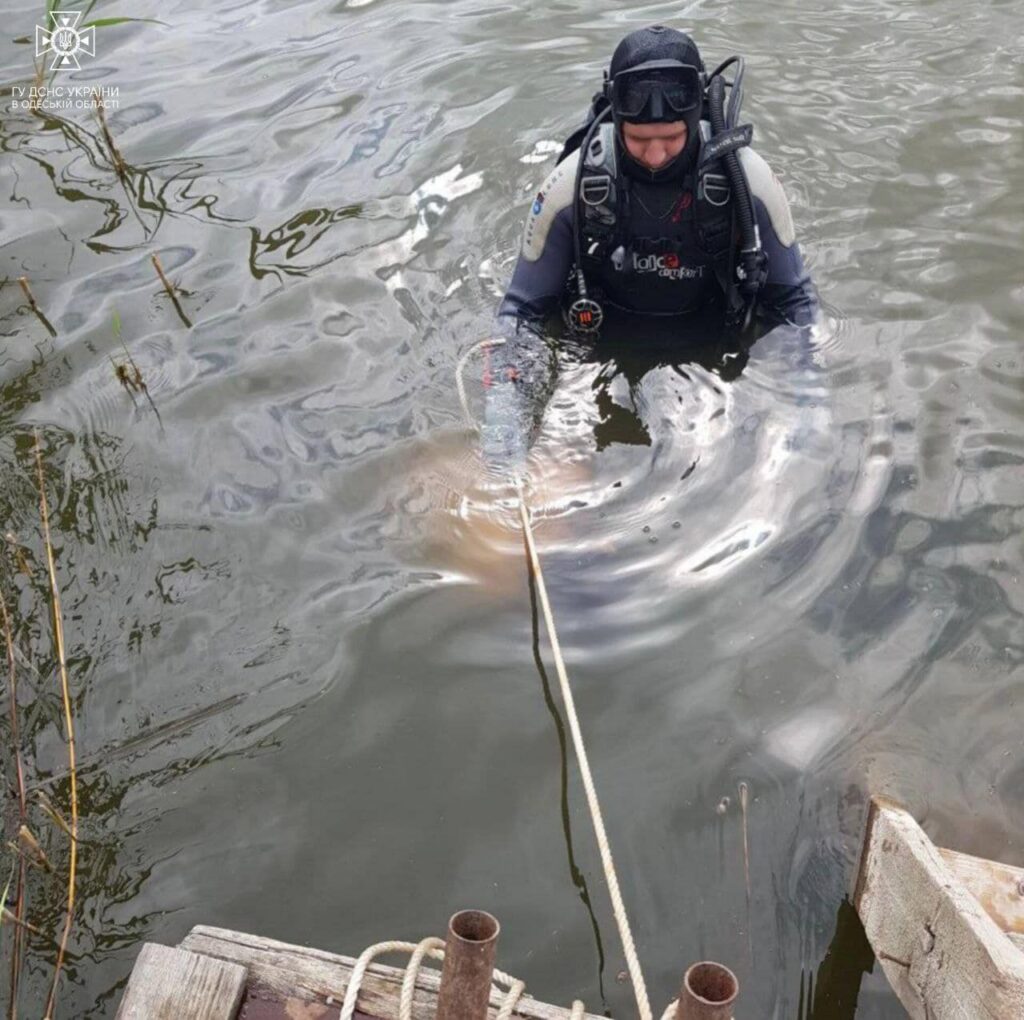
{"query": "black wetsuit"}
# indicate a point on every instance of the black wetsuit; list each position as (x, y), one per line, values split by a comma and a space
(539, 281)
(659, 274)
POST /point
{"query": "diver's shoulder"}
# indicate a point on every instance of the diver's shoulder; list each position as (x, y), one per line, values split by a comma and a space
(555, 195)
(557, 189)
(766, 186)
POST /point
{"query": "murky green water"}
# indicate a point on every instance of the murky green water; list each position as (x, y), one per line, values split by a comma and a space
(306, 692)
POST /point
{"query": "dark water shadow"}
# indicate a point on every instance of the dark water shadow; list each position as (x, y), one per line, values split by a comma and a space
(575, 873)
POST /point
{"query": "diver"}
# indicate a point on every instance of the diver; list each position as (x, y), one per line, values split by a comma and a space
(658, 222)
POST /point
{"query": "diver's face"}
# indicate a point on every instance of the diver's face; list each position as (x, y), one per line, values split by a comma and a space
(654, 145)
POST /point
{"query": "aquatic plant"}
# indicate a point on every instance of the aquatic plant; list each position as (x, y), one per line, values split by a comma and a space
(120, 164)
(128, 374)
(69, 722)
(27, 847)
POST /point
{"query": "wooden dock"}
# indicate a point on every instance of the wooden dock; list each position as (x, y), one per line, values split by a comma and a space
(947, 928)
(215, 974)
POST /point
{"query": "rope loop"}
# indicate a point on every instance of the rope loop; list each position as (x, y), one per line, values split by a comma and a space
(434, 948)
(482, 345)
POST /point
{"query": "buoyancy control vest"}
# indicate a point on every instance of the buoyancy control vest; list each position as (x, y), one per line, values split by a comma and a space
(707, 235)
(653, 248)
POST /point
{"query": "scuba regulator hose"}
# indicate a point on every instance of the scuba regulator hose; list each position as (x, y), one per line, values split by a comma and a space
(585, 314)
(752, 268)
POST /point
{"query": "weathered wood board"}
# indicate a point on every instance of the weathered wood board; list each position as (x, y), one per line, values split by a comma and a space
(999, 888)
(172, 984)
(294, 982)
(943, 954)
(217, 974)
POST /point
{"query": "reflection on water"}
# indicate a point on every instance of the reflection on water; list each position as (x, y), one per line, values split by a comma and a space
(299, 619)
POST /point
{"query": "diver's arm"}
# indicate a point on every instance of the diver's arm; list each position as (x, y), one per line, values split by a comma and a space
(788, 294)
(519, 372)
(546, 252)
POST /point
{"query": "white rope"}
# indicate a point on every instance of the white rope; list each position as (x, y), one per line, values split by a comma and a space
(412, 970)
(618, 907)
(512, 998)
(434, 948)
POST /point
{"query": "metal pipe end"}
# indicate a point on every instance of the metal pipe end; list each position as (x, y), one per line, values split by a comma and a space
(474, 926)
(469, 953)
(708, 992)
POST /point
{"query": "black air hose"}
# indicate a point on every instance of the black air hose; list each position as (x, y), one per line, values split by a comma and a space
(744, 205)
(577, 212)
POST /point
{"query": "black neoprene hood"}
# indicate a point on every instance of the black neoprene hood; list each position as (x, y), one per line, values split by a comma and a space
(657, 42)
(654, 43)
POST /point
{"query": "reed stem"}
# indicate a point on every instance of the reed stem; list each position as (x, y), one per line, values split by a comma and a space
(19, 887)
(27, 291)
(170, 288)
(58, 629)
(120, 165)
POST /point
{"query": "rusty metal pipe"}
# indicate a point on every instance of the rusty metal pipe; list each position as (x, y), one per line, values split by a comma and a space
(469, 952)
(707, 993)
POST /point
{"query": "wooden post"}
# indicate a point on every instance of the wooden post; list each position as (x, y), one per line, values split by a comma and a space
(944, 956)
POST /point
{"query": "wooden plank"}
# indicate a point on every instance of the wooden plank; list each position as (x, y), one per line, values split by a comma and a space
(261, 1003)
(999, 888)
(264, 1005)
(943, 955)
(172, 984)
(313, 975)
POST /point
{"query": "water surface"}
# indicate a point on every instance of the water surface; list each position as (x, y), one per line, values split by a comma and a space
(302, 641)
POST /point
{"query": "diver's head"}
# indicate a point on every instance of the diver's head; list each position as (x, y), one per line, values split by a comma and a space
(655, 85)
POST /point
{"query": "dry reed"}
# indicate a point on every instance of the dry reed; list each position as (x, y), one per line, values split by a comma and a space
(119, 163)
(30, 297)
(58, 629)
(19, 924)
(172, 291)
(29, 848)
(18, 916)
(744, 799)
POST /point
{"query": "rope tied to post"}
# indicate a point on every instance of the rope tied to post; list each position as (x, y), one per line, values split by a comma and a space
(433, 948)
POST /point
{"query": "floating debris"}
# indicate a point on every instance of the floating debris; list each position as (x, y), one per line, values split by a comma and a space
(129, 375)
(29, 846)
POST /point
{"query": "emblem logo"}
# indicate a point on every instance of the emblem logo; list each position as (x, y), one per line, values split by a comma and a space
(65, 41)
